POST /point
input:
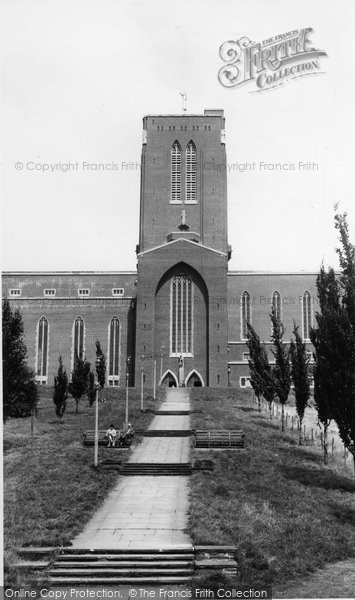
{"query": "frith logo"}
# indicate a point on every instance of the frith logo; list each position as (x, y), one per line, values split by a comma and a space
(271, 62)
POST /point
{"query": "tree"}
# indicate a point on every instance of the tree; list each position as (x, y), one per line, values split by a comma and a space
(261, 377)
(91, 389)
(326, 359)
(282, 368)
(100, 365)
(300, 376)
(60, 393)
(334, 342)
(79, 380)
(20, 392)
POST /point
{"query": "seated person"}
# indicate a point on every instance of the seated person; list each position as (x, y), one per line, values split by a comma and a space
(111, 434)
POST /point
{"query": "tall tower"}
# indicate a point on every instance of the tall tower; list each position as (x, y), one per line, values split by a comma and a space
(183, 250)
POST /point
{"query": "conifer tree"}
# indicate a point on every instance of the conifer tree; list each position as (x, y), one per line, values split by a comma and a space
(300, 371)
(282, 368)
(20, 392)
(79, 380)
(100, 365)
(261, 377)
(334, 342)
(60, 393)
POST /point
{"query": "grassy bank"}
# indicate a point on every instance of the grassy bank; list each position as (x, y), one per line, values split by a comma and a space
(50, 486)
(286, 513)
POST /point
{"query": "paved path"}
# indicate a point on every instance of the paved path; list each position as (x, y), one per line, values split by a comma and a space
(148, 512)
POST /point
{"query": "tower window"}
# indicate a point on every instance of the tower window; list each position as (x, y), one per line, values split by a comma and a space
(49, 292)
(191, 197)
(175, 173)
(78, 339)
(181, 316)
(114, 352)
(307, 315)
(42, 350)
(245, 314)
(84, 292)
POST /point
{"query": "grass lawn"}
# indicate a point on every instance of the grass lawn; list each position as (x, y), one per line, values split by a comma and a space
(286, 513)
(50, 486)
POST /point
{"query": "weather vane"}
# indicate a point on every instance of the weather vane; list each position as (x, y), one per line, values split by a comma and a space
(183, 101)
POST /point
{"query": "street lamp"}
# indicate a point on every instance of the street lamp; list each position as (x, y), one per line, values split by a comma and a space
(97, 388)
(142, 382)
(128, 362)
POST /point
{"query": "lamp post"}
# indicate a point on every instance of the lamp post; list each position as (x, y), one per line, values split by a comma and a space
(97, 389)
(161, 362)
(154, 379)
(128, 362)
(142, 383)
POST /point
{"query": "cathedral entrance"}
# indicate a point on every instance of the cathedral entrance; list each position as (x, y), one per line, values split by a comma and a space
(169, 379)
(181, 327)
(194, 380)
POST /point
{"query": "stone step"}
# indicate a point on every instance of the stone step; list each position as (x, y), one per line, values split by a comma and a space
(33, 564)
(134, 556)
(173, 412)
(111, 564)
(32, 551)
(167, 432)
(166, 551)
(65, 581)
(124, 572)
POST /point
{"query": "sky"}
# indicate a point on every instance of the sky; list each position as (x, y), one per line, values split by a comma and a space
(78, 77)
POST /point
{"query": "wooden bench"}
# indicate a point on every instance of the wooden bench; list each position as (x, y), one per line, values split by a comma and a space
(89, 439)
(219, 439)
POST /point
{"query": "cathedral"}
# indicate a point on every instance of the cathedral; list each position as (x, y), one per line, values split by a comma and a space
(180, 319)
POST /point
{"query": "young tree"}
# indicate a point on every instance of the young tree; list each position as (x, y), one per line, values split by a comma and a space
(20, 392)
(282, 368)
(100, 365)
(79, 380)
(326, 361)
(300, 375)
(261, 377)
(60, 393)
(334, 342)
(91, 389)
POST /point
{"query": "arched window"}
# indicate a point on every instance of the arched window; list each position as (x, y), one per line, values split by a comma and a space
(78, 339)
(191, 196)
(175, 173)
(114, 352)
(42, 351)
(245, 314)
(181, 316)
(306, 314)
(276, 304)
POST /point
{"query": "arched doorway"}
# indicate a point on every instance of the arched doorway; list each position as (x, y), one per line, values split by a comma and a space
(194, 379)
(169, 379)
(181, 325)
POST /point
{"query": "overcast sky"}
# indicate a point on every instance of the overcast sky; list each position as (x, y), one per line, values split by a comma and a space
(78, 76)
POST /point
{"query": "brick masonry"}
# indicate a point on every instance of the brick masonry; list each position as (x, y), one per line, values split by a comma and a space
(199, 249)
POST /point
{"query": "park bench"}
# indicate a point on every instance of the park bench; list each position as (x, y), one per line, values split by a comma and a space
(121, 442)
(219, 439)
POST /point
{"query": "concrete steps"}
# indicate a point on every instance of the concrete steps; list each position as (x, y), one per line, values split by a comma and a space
(167, 432)
(130, 469)
(104, 567)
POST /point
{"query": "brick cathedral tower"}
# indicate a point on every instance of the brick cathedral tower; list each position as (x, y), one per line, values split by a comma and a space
(183, 251)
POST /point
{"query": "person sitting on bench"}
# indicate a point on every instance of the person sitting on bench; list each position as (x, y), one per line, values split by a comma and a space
(111, 434)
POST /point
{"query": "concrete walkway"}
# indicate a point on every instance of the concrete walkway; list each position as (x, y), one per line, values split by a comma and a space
(148, 512)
